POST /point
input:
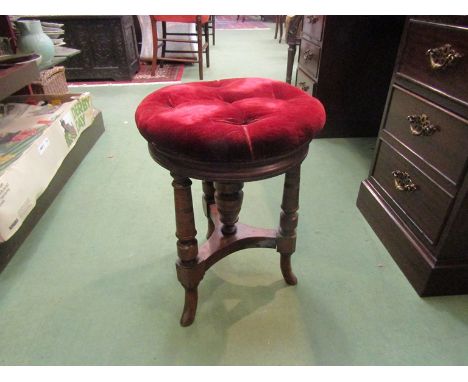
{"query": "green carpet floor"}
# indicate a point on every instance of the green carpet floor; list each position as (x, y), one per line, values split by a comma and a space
(95, 282)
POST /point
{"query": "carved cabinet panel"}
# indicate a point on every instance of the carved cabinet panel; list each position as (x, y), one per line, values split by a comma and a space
(107, 43)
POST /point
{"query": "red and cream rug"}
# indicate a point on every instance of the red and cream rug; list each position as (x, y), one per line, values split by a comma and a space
(168, 73)
(232, 22)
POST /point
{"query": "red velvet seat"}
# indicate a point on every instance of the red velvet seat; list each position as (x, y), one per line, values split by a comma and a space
(231, 120)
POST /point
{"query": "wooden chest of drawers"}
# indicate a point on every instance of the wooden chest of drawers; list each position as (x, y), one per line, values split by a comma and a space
(347, 62)
(416, 195)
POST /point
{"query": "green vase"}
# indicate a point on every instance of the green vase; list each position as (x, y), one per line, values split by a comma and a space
(32, 39)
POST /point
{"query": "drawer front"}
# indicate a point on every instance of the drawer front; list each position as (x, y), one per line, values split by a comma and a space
(313, 27)
(425, 59)
(426, 207)
(437, 136)
(304, 82)
(309, 58)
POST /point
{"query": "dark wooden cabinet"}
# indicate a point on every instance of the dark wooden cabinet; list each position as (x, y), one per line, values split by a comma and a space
(107, 43)
(347, 62)
(416, 195)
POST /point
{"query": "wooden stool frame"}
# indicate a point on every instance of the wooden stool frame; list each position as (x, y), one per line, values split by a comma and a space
(222, 201)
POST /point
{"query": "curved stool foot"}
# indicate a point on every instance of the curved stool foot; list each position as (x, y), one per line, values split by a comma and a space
(286, 270)
(190, 307)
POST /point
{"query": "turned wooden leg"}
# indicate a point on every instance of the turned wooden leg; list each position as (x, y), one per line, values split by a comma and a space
(208, 199)
(189, 271)
(286, 239)
(228, 197)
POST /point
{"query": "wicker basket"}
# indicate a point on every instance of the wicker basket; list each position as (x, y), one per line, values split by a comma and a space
(52, 81)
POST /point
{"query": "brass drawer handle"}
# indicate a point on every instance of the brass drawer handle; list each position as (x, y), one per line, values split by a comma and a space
(403, 181)
(421, 125)
(308, 55)
(312, 19)
(304, 86)
(443, 56)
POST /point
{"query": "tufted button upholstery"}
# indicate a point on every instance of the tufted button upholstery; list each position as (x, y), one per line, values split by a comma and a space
(231, 120)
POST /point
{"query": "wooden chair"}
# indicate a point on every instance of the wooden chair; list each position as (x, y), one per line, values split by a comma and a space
(201, 23)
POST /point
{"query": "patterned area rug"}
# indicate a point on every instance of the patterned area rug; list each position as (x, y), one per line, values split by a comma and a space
(168, 73)
(245, 22)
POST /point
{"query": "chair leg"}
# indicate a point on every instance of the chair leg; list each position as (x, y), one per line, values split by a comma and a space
(154, 32)
(276, 26)
(200, 49)
(286, 238)
(208, 200)
(163, 48)
(213, 27)
(281, 27)
(207, 41)
(189, 271)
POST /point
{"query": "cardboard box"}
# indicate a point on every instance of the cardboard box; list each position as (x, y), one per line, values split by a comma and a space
(33, 145)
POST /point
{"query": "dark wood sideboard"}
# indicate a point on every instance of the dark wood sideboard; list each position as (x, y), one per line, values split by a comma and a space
(347, 62)
(416, 195)
(107, 43)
